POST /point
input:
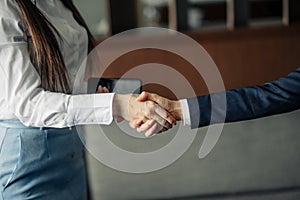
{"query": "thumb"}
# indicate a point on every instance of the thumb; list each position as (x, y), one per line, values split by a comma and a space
(142, 97)
(120, 119)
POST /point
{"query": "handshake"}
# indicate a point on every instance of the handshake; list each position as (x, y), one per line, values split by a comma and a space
(146, 112)
(154, 114)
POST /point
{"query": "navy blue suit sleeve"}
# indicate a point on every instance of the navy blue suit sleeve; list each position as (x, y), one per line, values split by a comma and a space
(280, 96)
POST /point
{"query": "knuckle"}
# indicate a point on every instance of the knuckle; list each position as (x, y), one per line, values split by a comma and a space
(166, 115)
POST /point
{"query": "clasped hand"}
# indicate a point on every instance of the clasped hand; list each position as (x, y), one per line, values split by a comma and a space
(146, 112)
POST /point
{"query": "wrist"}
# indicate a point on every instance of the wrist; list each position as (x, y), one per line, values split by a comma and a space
(120, 105)
(176, 110)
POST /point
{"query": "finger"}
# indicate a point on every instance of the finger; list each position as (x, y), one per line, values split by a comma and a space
(136, 123)
(120, 119)
(142, 97)
(165, 115)
(161, 121)
(153, 97)
(161, 101)
(105, 90)
(163, 129)
(146, 126)
(100, 89)
(151, 112)
(133, 125)
(151, 131)
(159, 129)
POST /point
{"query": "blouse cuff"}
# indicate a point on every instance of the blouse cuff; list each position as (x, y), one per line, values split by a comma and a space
(91, 109)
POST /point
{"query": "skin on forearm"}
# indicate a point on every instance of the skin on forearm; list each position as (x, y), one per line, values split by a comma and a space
(175, 110)
(120, 106)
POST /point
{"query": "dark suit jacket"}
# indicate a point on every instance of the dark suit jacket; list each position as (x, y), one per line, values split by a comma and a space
(247, 103)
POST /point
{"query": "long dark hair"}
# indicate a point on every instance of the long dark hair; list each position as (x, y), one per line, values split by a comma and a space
(44, 48)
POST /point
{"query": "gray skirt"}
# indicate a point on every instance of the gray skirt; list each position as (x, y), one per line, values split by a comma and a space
(41, 163)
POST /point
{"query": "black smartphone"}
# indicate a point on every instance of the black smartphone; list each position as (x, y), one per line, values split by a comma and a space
(116, 85)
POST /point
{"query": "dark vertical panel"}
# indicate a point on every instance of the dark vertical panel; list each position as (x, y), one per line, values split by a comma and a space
(294, 10)
(182, 16)
(241, 13)
(123, 15)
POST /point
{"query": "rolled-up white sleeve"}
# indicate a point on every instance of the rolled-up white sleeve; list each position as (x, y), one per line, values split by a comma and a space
(90, 109)
(35, 107)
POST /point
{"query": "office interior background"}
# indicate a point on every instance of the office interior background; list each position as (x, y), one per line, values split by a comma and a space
(251, 42)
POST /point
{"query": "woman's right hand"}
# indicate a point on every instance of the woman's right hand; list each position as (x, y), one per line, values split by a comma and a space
(127, 107)
(173, 107)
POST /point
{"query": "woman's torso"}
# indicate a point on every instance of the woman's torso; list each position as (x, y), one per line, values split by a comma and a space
(74, 38)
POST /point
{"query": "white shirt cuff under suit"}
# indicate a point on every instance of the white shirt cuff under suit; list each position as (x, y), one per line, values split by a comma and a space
(185, 112)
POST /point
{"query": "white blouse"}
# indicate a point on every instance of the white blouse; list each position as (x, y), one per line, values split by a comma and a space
(21, 96)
